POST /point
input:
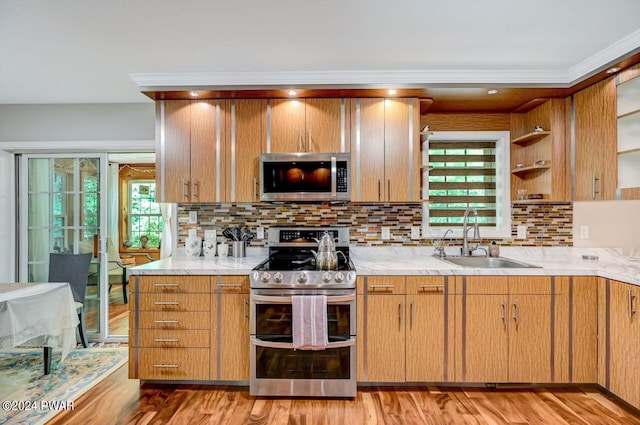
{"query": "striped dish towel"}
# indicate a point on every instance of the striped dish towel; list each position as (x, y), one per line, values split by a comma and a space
(309, 322)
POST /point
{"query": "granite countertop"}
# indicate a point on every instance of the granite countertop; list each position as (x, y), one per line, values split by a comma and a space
(554, 261)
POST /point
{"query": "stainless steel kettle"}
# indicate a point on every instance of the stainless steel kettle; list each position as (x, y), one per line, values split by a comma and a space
(327, 256)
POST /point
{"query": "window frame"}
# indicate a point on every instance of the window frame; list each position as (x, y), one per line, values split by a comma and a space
(502, 228)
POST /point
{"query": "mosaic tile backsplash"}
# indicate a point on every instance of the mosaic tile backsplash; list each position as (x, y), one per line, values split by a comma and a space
(548, 224)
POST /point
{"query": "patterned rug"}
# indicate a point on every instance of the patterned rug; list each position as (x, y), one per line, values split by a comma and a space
(30, 397)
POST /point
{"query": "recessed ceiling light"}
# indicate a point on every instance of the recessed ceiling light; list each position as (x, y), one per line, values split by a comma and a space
(193, 94)
(292, 92)
(392, 92)
(612, 70)
(493, 91)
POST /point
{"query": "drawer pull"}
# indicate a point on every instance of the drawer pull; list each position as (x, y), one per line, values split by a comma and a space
(167, 322)
(166, 366)
(166, 340)
(432, 286)
(382, 286)
(167, 303)
(230, 285)
(166, 285)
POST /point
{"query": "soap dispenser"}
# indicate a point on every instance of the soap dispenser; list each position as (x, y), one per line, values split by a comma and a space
(494, 249)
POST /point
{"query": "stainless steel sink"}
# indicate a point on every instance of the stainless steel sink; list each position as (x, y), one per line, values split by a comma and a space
(488, 262)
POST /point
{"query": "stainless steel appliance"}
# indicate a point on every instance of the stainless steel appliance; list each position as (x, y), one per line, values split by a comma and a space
(305, 176)
(276, 368)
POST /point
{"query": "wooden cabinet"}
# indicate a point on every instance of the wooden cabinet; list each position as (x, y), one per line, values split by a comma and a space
(505, 329)
(595, 142)
(540, 160)
(171, 330)
(189, 150)
(308, 125)
(628, 112)
(381, 329)
(385, 150)
(429, 330)
(233, 323)
(624, 341)
(246, 133)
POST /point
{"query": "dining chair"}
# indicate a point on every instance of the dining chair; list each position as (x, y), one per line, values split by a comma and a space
(73, 269)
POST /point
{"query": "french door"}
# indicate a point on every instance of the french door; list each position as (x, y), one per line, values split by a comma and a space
(63, 209)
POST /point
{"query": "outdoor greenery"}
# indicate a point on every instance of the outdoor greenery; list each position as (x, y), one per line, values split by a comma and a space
(145, 218)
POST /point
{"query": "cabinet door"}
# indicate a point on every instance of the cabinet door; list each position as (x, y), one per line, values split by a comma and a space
(234, 337)
(174, 151)
(401, 151)
(367, 150)
(287, 125)
(384, 338)
(246, 142)
(484, 321)
(426, 330)
(530, 329)
(624, 342)
(596, 142)
(325, 126)
(207, 144)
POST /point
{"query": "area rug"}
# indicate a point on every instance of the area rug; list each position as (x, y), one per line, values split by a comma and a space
(30, 397)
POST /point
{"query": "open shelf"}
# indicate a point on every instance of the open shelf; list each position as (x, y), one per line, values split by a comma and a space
(534, 136)
(530, 169)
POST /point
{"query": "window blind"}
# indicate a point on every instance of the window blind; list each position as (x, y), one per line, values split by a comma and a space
(462, 174)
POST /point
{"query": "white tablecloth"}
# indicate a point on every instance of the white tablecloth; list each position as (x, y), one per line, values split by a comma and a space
(39, 315)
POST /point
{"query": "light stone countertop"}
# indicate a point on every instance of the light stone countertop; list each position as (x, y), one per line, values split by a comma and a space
(554, 261)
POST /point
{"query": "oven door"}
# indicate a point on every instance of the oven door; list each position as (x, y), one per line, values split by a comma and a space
(279, 370)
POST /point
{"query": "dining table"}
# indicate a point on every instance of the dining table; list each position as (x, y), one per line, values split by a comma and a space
(38, 315)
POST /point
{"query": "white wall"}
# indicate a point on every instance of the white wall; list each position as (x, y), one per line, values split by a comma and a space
(7, 217)
(611, 224)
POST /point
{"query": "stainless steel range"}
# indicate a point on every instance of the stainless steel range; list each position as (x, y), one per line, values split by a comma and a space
(291, 271)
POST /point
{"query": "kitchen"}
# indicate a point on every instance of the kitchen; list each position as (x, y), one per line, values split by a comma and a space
(366, 217)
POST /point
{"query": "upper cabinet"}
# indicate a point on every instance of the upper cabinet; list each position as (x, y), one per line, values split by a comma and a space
(540, 160)
(246, 135)
(189, 150)
(628, 112)
(308, 125)
(385, 150)
(595, 142)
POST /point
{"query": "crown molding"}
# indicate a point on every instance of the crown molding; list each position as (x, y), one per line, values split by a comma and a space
(625, 47)
(605, 58)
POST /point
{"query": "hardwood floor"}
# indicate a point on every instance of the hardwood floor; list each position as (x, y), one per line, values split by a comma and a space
(118, 400)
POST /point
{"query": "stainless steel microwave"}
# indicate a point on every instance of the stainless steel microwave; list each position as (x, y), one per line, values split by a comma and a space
(305, 177)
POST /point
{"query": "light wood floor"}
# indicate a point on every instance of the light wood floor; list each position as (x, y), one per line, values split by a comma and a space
(118, 400)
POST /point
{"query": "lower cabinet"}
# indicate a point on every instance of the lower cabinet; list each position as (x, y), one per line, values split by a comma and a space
(187, 328)
(505, 329)
(624, 341)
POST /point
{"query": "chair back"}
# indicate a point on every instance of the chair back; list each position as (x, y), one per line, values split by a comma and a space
(72, 268)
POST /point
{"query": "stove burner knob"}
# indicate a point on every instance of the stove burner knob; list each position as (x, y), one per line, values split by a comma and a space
(302, 278)
(339, 277)
(278, 277)
(326, 277)
(266, 276)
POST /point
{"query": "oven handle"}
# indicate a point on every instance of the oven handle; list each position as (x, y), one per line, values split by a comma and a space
(286, 299)
(289, 345)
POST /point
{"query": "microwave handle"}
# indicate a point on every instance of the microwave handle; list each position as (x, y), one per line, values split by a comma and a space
(334, 177)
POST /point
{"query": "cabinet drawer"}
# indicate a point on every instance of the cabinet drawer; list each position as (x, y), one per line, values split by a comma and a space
(173, 363)
(233, 285)
(174, 320)
(175, 302)
(157, 338)
(426, 285)
(172, 284)
(382, 285)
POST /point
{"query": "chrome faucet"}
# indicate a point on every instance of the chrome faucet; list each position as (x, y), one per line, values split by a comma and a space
(439, 249)
(465, 230)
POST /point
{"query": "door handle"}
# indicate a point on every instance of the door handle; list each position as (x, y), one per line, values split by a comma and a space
(195, 185)
(412, 314)
(631, 298)
(309, 142)
(255, 188)
(185, 189)
(299, 140)
(516, 312)
(504, 312)
(400, 313)
(389, 190)
(593, 186)
(379, 190)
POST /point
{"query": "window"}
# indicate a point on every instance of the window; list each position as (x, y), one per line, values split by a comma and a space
(145, 218)
(467, 169)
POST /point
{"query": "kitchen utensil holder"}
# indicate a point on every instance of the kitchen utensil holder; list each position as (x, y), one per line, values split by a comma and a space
(239, 249)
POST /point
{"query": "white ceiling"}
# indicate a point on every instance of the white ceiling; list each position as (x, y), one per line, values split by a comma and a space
(84, 51)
